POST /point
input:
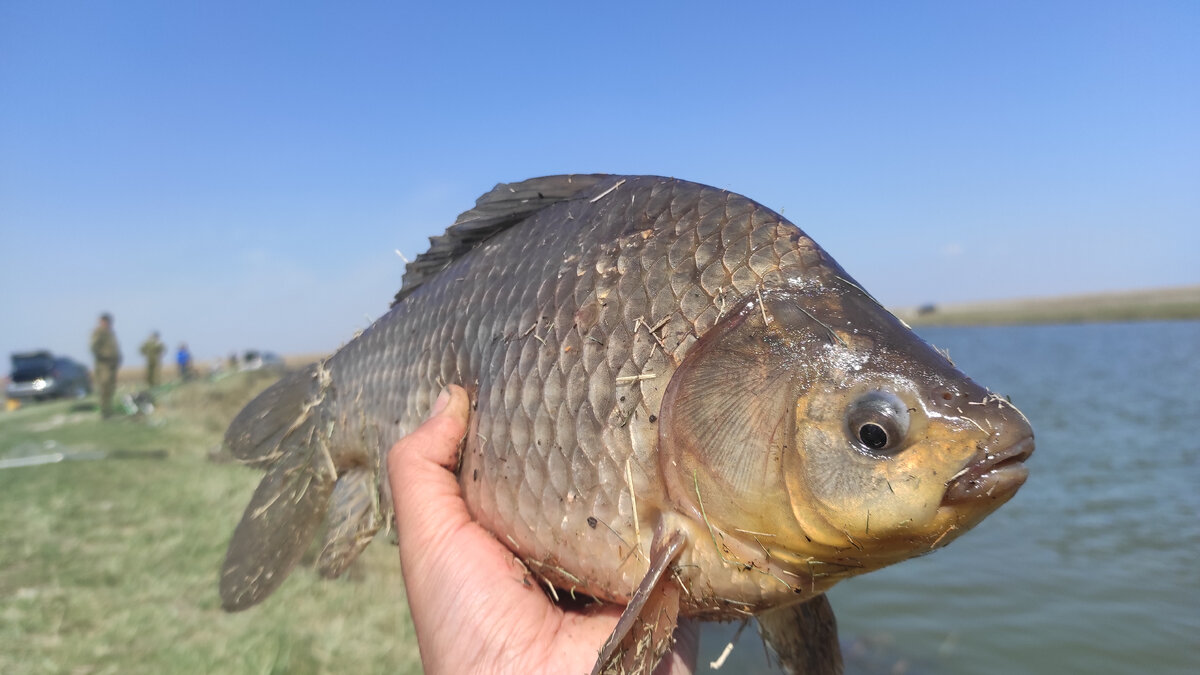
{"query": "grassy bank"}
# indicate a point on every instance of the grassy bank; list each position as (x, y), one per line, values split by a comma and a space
(1166, 304)
(110, 565)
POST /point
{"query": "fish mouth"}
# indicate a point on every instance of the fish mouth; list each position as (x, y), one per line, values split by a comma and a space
(996, 476)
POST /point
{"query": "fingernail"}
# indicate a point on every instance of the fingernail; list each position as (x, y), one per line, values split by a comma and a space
(440, 404)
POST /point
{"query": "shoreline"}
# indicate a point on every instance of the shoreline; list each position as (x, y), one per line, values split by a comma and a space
(1176, 303)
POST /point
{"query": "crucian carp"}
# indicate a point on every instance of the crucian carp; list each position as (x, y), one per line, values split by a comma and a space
(674, 361)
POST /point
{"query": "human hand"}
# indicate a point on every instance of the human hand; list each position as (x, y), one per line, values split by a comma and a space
(472, 607)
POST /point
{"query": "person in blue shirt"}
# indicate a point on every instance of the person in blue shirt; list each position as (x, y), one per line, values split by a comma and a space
(183, 358)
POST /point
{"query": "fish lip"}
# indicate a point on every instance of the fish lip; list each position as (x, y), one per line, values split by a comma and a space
(992, 476)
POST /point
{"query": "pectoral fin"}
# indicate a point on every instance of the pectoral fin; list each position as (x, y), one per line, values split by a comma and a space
(804, 637)
(646, 630)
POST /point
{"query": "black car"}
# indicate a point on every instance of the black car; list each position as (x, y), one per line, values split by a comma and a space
(254, 359)
(41, 375)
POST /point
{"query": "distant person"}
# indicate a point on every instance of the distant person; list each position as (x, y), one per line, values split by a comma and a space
(107, 354)
(183, 358)
(153, 349)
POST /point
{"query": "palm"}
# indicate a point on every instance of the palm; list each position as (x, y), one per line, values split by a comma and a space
(475, 606)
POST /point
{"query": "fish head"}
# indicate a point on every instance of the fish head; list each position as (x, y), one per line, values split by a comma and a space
(815, 423)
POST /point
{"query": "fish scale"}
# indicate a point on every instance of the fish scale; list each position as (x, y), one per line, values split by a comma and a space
(514, 494)
(665, 382)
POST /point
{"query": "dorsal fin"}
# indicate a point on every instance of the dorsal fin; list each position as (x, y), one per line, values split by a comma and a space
(506, 205)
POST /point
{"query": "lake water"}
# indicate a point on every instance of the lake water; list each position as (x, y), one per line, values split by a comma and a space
(1094, 567)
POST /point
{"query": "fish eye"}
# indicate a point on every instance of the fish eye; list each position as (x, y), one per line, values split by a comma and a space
(877, 423)
(873, 436)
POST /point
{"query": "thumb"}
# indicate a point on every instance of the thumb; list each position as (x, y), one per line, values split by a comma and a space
(425, 491)
(437, 439)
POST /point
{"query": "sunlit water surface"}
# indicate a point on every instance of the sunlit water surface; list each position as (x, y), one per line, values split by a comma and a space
(1094, 567)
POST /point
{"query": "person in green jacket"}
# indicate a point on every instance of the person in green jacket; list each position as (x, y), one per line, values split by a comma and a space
(153, 350)
(107, 353)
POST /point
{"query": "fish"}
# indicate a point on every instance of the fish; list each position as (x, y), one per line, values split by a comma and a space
(681, 405)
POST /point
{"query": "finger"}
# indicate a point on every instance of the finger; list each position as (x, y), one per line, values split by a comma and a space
(425, 493)
(485, 579)
(683, 656)
(447, 419)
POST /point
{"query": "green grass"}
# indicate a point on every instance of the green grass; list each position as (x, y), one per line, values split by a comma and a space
(111, 565)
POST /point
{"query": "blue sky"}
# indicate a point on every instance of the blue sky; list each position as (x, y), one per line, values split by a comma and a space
(240, 174)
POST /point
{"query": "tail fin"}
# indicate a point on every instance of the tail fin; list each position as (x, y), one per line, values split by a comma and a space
(254, 435)
(285, 431)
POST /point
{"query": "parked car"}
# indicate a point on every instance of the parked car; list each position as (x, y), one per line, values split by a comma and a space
(41, 375)
(253, 359)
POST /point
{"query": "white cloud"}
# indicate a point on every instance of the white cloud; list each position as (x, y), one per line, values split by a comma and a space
(952, 250)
